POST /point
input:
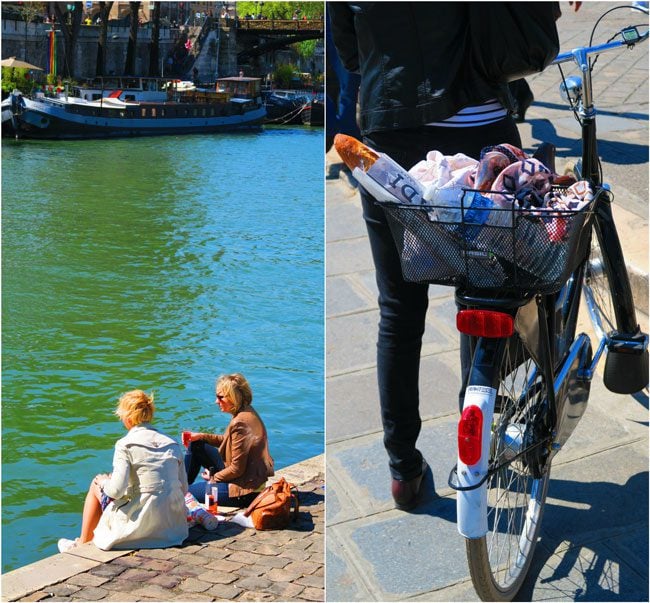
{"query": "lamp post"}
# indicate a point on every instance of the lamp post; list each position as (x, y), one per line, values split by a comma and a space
(70, 8)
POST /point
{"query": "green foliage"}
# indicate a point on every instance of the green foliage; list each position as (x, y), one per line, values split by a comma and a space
(280, 10)
(13, 78)
(29, 10)
(306, 48)
(284, 75)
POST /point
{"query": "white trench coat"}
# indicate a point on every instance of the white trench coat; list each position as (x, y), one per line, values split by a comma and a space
(148, 484)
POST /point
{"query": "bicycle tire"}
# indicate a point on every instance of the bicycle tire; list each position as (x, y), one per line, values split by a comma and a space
(499, 561)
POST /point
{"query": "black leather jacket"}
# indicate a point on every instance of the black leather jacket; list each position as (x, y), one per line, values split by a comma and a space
(412, 61)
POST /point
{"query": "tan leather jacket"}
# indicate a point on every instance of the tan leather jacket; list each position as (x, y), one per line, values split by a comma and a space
(244, 448)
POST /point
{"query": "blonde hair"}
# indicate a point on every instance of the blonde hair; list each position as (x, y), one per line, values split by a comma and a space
(238, 390)
(136, 406)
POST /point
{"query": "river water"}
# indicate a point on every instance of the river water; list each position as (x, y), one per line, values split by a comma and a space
(152, 263)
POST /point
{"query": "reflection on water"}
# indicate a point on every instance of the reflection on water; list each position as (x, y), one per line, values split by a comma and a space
(157, 264)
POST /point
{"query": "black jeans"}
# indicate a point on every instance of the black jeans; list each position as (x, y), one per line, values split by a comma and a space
(403, 305)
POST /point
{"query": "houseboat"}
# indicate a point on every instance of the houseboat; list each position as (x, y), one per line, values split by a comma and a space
(234, 103)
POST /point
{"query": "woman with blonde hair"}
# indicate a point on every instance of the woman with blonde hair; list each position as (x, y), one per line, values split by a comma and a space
(238, 462)
(142, 503)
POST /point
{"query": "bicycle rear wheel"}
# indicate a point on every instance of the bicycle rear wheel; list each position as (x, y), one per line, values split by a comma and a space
(499, 561)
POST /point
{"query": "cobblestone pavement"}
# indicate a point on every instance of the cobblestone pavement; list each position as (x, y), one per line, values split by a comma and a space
(230, 564)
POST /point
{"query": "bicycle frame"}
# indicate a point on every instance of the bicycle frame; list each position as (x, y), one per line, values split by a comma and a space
(548, 332)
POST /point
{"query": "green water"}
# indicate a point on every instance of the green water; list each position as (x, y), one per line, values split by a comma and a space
(156, 264)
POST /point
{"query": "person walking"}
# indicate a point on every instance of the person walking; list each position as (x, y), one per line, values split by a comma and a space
(419, 91)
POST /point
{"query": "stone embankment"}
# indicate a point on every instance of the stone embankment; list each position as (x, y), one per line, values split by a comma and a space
(229, 564)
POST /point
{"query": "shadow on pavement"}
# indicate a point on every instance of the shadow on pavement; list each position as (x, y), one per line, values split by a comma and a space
(573, 563)
(615, 152)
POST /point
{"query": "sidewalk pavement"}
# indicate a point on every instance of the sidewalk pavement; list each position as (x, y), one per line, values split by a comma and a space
(230, 564)
(594, 542)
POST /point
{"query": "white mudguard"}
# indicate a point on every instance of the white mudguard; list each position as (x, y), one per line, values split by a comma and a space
(471, 505)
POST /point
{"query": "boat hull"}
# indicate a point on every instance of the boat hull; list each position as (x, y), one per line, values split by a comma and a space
(57, 120)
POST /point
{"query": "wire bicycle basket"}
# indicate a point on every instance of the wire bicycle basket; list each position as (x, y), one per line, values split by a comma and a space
(479, 247)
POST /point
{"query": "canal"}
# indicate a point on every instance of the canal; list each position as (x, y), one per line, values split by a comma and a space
(152, 263)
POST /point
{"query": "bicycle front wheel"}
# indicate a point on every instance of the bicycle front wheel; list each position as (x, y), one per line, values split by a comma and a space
(597, 292)
(499, 561)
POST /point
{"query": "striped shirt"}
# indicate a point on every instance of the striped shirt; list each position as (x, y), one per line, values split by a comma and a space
(471, 117)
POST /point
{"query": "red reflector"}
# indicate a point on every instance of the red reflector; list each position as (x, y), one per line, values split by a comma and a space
(470, 429)
(485, 323)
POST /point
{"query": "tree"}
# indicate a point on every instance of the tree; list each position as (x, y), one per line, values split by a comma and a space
(70, 33)
(104, 11)
(154, 63)
(129, 65)
(29, 10)
(281, 10)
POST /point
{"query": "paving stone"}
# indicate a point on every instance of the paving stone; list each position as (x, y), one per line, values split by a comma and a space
(90, 593)
(163, 554)
(63, 589)
(154, 591)
(212, 552)
(245, 557)
(185, 559)
(217, 577)
(37, 596)
(87, 579)
(187, 571)
(196, 597)
(251, 571)
(257, 596)
(295, 554)
(138, 575)
(108, 570)
(286, 591)
(281, 575)
(193, 585)
(303, 568)
(157, 565)
(120, 585)
(166, 581)
(57, 598)
(313, 594)
(251, 583)
(224, 565)
(120, 597)
(128, 561)
(312, 580)
(224, 591)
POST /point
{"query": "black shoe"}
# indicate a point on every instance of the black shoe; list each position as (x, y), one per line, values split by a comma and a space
(406, 493)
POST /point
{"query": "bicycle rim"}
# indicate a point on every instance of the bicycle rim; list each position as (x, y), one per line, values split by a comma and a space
(499, 561)
(597, 293)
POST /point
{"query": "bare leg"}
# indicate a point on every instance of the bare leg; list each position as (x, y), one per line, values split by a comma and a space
(92, 512)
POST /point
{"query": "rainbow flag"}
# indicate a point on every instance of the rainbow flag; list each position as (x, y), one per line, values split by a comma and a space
(51, 53)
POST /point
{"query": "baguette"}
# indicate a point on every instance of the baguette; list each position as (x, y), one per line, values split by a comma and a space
(355, 154)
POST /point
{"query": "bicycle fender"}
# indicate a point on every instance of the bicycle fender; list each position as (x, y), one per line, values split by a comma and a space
(471, 505)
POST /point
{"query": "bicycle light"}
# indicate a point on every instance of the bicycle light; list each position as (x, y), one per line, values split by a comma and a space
(485, 323)
(571, 88)
(470, 428)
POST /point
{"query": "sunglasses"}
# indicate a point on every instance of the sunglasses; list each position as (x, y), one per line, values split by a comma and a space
(220, 397)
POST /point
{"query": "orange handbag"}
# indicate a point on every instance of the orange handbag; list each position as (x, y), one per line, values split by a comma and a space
(271, 509)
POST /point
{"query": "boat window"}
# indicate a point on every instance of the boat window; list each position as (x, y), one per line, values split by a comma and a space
(122, 113)
(203, 112)
(153, 112)
(144, 112)
(163, 112)
(194, 112)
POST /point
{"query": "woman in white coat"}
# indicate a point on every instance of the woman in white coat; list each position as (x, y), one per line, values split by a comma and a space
(142, 503)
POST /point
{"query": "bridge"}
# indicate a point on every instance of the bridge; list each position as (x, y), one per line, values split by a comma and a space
(259, 36)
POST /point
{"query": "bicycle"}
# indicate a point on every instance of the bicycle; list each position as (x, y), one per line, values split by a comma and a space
(520, 287)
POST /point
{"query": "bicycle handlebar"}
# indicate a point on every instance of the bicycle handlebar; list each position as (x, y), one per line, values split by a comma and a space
(580, 54)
